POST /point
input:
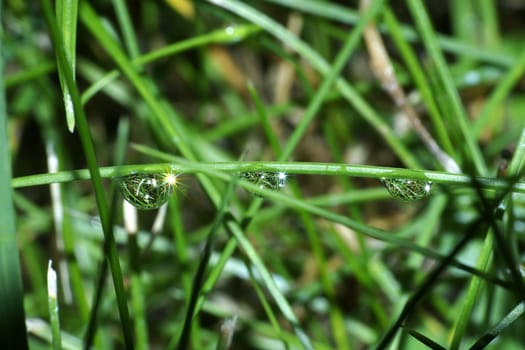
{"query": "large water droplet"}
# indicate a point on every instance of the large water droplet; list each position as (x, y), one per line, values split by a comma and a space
(407, 189)
(148, 191)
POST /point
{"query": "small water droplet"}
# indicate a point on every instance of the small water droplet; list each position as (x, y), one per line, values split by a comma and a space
(407, 189)
(266, 180)
(148, 191)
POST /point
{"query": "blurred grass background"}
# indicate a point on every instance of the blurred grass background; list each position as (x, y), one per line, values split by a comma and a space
(270, 80)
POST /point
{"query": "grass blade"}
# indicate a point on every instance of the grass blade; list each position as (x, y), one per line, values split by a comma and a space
(203, 264)
(89, 153)
(424, 339)
(491, 334)
(428, 36)
(348, 92)
(52, 302)
(12, 323)
(66, 14)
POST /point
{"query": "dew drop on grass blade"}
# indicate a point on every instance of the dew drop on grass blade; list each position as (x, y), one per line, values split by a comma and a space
(148, 191)
(407, 189)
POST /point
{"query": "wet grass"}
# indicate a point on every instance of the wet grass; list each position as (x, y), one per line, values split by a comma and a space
(280, 234)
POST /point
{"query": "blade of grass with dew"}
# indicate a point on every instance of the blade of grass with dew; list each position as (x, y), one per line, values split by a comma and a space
(211, 169)
(420, 15)
(89, 153)
(272, 165)
(66, 14)
(12, 323)
(310, 168)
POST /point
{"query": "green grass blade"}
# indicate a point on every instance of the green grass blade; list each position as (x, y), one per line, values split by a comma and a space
(219, 36)
(491, 33)
(417, 72)
(426, 286)
(203, 264)
(495, 331)
(472, 296)
(89, 153)
(343, 14)
(517, 164)
(500, 93)
(28, 74)
(281, 301)
(66, 14)
(12, 323)
(348, 92)
(424, 339)
(265, 120)
(128, 31)
(52, 302)
(428, 36)
(331, 75)
(312, 168)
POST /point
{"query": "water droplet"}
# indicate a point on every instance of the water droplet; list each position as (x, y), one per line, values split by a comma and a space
(407, 189)
(148, 191)
(266, 180)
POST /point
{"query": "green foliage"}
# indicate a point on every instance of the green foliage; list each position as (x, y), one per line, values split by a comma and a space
(275, 98)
